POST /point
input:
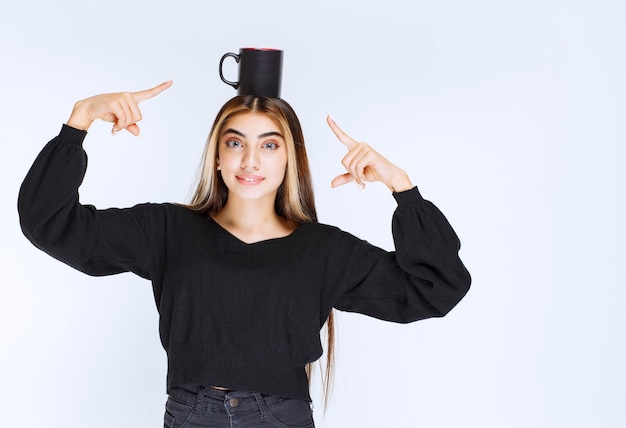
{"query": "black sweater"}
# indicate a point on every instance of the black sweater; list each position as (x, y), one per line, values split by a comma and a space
(242, 316)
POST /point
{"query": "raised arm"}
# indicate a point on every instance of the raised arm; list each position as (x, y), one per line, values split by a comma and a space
(97, 242)
(424, 277)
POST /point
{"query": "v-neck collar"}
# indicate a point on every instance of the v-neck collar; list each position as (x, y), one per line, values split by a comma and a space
(262, 242)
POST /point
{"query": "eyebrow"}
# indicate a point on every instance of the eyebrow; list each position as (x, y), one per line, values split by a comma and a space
(264, 135)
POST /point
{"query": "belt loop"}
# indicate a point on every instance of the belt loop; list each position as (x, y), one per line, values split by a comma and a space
(199, 398)
(262, 406)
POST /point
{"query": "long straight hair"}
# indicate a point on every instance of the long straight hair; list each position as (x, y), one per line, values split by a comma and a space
(294, 199)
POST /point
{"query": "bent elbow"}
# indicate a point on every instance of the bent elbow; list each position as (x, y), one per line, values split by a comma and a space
(456, 291)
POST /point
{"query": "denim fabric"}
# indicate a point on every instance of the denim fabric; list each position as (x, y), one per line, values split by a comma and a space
(209, 408)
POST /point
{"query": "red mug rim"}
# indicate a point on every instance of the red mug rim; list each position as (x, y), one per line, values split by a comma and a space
(260, 49)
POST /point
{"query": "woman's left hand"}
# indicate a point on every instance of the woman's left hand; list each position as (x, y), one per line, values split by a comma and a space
(363, 163)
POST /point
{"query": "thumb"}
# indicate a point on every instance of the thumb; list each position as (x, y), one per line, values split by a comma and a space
(342, 179)
(133, 129)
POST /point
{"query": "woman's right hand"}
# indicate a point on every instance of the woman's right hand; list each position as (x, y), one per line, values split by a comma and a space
(122, 109)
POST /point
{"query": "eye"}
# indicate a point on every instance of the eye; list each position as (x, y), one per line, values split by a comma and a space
(232, 144)
(270, 145)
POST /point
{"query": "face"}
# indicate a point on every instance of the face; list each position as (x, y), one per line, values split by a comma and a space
(252, 157)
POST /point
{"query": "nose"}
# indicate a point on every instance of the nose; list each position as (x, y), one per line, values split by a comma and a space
(250, 159)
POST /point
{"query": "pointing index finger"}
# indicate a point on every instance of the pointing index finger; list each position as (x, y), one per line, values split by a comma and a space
(348, 141)
(140, 96)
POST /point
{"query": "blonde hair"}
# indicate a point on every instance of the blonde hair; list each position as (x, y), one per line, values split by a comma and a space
(294, 199)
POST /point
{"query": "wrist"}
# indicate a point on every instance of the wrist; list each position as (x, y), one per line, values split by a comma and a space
(400, 182)
(79, 118)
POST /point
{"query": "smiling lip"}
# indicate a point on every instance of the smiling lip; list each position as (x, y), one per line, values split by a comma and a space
(249, 180)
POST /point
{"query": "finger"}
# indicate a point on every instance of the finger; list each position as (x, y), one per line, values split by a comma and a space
(124, 116)
(349, 142)
(136, 115)
(356, 161)
(133, 107)
(341, 180)
(140, 96)
(360, 162)
(120, 116)
(128, 112)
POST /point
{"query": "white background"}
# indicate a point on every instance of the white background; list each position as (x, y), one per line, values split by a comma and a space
(509, 115)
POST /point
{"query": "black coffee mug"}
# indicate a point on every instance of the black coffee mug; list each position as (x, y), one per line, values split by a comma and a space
(260, 71)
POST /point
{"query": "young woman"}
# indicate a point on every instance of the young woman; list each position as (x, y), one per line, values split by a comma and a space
(244, 277)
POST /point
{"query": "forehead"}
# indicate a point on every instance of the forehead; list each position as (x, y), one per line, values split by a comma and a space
(252, 124)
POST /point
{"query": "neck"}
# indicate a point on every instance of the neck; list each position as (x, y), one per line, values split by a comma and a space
(253, 220)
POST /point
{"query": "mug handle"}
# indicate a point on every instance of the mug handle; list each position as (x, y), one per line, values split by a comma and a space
(233, 84)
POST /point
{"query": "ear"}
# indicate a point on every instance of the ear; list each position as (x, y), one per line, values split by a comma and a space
(219, 168)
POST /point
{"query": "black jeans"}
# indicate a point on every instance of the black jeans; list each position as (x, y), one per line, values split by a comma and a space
(209, 408)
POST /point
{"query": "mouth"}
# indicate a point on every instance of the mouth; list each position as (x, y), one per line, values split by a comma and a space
(249, 179)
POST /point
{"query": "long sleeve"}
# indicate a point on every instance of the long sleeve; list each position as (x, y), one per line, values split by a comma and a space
(97, 242)
(423, 278)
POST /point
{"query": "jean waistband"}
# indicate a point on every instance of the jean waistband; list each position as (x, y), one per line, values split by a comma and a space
(234, 401)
